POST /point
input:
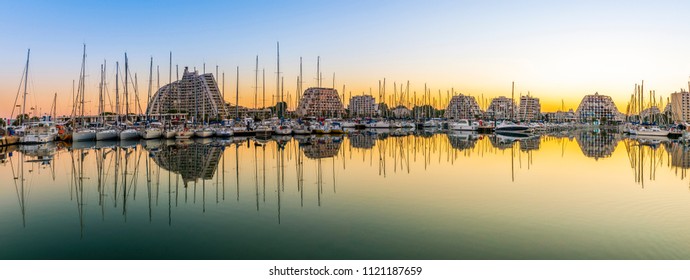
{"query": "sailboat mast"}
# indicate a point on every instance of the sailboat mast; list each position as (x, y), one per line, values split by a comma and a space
(170, 79)
(237, 94)
(512, 101)
(280, 113)
(126, 87)
(81, 84)
(148, 100)
(256, 82)
(117, 92)
(318, 70)
(301, 80)
(26, 82)
(100, 97)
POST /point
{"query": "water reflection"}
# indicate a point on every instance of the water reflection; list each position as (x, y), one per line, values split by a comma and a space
(192, 160)
(322, 146)
(303, 183)
(597, 144)
(463, 140)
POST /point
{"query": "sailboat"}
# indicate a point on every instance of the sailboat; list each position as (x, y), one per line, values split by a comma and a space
(107, 132)
(169, 131)
(127, 133)
(43, 131)
(83, 133)
(152, 130)
(204, 131)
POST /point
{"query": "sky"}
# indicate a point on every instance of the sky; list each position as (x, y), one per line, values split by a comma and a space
(556, 51)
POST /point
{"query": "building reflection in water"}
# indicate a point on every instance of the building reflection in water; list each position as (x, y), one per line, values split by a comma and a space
(362, 140)
(530, 144)
(322, 147)
(597, 144)
(680, 154)
(462, 140)
(191, 160)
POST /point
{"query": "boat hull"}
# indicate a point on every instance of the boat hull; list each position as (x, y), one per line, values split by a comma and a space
(104, 135)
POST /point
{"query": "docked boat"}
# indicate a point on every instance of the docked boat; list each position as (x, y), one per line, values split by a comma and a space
(241, 130)
(463, 125)
(129, 134)
(650, 131)
(204, 132)
(39, 132)
(154, 131)
(6, 139)
(378, 124)
(336, 128)
(224, 132)
(107, 133)
(301, 130)
(509, 126)
(169, 133)
(184, 133)
(84, 134)
(282, 130)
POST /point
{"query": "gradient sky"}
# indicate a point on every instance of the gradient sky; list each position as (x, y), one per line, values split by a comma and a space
(556, 51)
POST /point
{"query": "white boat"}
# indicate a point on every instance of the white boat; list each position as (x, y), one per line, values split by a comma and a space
(83, 134)
(432, 123)
(129, 134)
(348, 124)
(184, 133)
(282, 130)
(321, 128)
(224, 132)
(151, 133)
(107, 134)
(649, 131)
(378, 124)
(204, 132)
(301, 129)
(509, 126)
(39, 132)
(463, 124)
(169, 133)
(336, 128)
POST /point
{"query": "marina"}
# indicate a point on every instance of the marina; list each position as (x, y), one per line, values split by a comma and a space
(364, 194)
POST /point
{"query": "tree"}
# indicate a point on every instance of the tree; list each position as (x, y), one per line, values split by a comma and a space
(20, 119)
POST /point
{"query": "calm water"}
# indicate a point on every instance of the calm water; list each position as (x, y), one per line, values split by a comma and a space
(577, 195)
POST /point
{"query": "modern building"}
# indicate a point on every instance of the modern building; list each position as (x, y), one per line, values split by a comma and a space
(680, 106)
(501, 108)
(529, 109)
(561, 116)
(320, 102)
(463, 107)
(195, 94)
(596, 107)
(362, 106)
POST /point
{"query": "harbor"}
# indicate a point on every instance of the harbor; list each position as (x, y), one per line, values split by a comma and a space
(215, 198)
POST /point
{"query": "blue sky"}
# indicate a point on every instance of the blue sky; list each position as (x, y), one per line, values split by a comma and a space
(556, 51)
